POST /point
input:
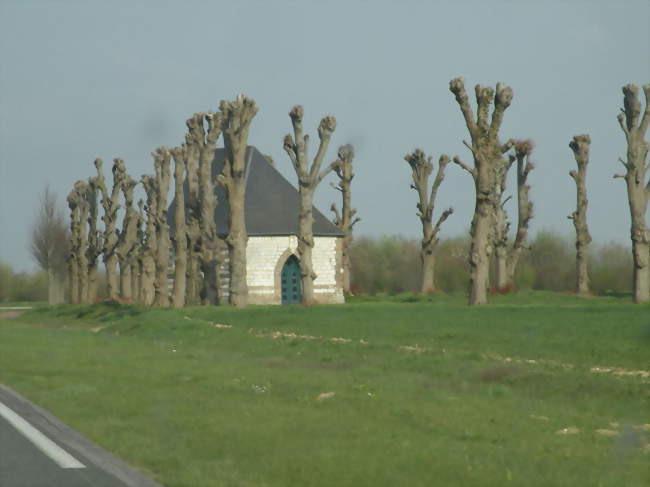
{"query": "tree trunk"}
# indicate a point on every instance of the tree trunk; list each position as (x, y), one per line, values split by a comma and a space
(162, 158)
(135, 280)
(501, 276)
(73, 274)
(52, 288)
(428, 259)
(306, 244)
(480, 250)
(580, 146)
(635, 126)
(237, 241)
(92, 283)
(637, 197)
(148, 278)
(193, 275)
(112, 281)
(125, 281)
(180, 238)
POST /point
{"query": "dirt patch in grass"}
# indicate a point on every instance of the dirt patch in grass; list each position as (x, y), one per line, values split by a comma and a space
(11, 314)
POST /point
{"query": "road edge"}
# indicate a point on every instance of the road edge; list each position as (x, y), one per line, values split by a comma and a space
(58, 431)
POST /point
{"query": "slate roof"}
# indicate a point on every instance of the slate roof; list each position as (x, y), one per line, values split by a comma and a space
(272, 202)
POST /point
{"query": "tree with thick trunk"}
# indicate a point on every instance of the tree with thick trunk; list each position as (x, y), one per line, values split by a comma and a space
(111, 205)
(202, 144)
(422, 168)
(49, 245)
(150, 244)
(347, 218)
(580, 147)
(162, 162)
(236, 118)
(194, 281)
(308, 179)
(638, 187)
(179, 154)
(487, 152)
(127, 239)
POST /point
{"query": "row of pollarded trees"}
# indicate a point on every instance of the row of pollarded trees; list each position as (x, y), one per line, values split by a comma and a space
(136, 255)
(136, 252)
(490, 227)
(634, 124)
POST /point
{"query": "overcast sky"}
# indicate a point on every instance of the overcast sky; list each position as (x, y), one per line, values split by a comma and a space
(87, 79)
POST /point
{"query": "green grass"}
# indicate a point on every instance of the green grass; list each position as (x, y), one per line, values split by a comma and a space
(198, 405)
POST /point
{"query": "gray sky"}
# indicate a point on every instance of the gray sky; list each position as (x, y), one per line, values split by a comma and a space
(86, 79)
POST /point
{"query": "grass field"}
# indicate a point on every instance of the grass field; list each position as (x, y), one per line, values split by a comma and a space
(535, 389)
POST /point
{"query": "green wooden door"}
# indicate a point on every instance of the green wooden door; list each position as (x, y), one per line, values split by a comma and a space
(291, 292)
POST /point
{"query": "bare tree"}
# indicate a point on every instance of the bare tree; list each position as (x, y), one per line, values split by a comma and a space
(179, 155)
(580, 147)
(150, 242)
(111, 205)
(638, 187)
(236, 118)
(507, 255)
(347, 218)
(523, 151)
(49, 244)
(162, 160)
(202, 145)
(127, 238)
(95, 241)
(487, 152)
(422, 168)
(78, 261)
(308, 179)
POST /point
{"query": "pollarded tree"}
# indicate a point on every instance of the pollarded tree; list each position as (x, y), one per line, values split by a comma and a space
(179, 154)
(308, 179)
(236, 118)
(127, 238)
(77, 261)
(638, 187)
(95, 240)
(150, 243)
(487, 152)
(523, 151)
(347, 218)
(162, 162)
(111, 205)
(202, 143)
(580, 147)
(507, 256)
(422, 168)
(73, 256)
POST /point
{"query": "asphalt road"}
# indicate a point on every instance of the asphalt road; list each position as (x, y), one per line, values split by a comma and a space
(37, 450)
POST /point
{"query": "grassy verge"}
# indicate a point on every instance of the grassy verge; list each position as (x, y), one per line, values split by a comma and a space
(419, 391)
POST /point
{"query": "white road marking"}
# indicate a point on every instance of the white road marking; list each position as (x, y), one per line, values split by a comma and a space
(40, 441)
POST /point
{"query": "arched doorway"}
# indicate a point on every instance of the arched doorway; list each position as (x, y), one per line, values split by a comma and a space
(290, 281)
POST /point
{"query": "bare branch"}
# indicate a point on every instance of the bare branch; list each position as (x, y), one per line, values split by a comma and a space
(457, 87)
(470, 170)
